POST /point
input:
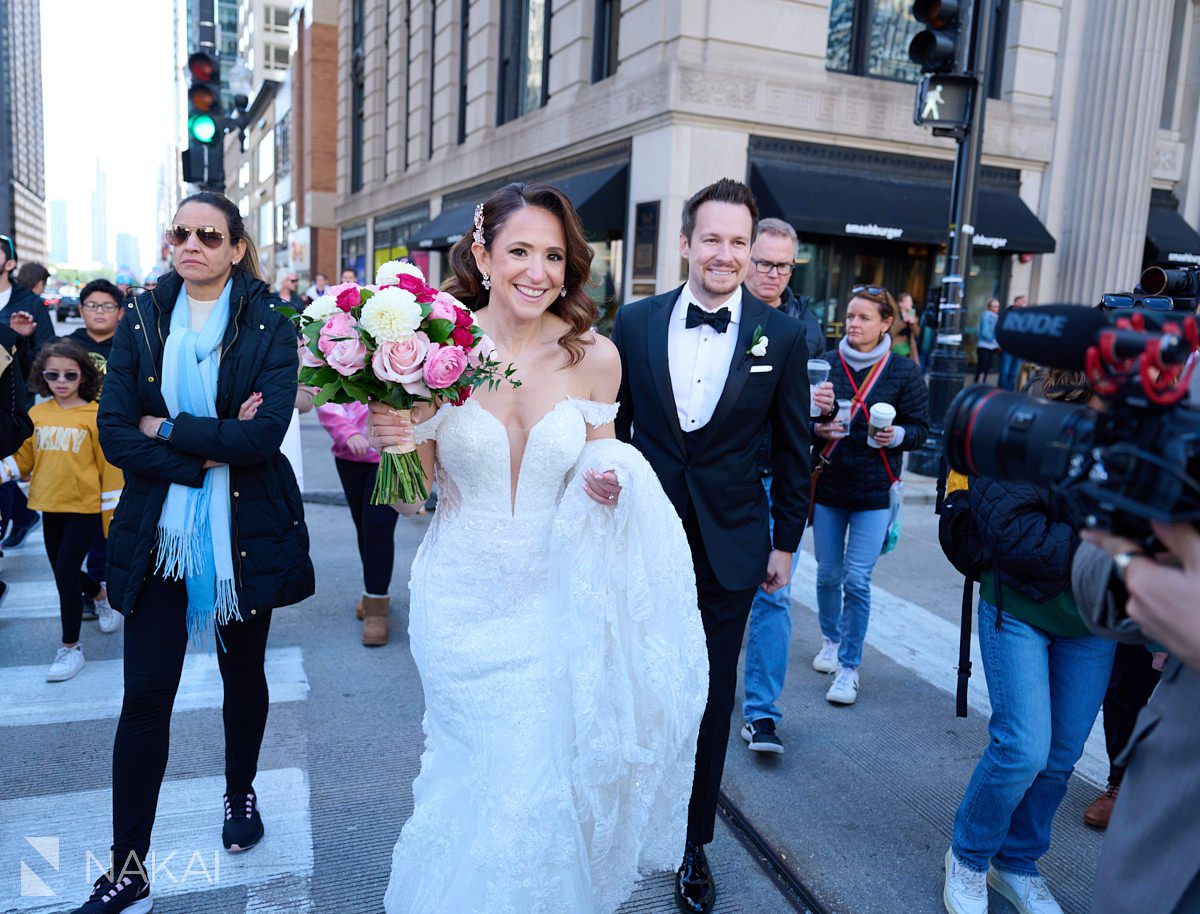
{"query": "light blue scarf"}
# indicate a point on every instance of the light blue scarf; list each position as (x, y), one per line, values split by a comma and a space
(194, 530)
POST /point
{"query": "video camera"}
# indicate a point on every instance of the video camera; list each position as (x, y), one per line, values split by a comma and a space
(1135, 461)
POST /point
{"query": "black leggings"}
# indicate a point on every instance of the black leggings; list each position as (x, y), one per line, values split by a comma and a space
(68, 538)
(375, 525)
(155, 642)
(986, 359)
(1130, 687)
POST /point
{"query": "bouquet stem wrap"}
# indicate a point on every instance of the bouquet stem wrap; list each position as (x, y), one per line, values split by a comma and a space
(401, 476)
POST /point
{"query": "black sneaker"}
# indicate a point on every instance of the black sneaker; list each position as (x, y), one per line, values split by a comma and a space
(89, 609)
(243, 826)
(18, 533)
(129, 895)
(760, 734)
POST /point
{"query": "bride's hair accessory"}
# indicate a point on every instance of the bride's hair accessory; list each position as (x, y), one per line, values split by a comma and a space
(478, 234)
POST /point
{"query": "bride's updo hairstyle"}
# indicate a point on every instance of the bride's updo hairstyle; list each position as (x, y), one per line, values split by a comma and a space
(576, 308)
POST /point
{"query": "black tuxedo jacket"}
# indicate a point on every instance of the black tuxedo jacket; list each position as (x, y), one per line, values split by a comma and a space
(721, 478)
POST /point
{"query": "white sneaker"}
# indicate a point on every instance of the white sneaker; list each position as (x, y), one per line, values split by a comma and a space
(965, 890)
(826, 659)
(67, 662)
(844, 690)
(1028, 894)
(110, 619)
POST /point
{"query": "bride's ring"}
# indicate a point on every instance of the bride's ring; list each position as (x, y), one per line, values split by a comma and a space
(612, 498)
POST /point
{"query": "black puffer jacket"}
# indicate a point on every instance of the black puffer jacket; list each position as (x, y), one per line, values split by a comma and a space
(856, 478)
(1029, 535)
(270, 540)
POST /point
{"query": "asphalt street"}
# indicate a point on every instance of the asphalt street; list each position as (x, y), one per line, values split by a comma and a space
(859, 808)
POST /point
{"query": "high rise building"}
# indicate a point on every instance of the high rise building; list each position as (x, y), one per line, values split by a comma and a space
(100, 217)
(58, 232)
(22, 164)
(127, 255)
(264, 37)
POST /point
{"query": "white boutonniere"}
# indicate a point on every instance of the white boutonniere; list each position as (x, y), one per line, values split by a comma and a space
(758, 345)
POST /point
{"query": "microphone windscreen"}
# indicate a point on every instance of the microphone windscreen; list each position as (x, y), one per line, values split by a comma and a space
(1055, 335)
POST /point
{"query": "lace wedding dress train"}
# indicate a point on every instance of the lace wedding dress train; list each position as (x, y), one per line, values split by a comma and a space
(565, 674)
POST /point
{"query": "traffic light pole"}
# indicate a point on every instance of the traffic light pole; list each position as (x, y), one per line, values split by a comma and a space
(948, 366)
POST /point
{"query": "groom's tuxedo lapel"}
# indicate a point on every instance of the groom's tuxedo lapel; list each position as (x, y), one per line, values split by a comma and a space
(753, 315)
(658, 320)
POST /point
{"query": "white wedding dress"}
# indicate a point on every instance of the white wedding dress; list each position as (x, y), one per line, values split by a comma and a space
(564, 669)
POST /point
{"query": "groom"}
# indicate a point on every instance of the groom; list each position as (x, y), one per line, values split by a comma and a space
(705, 370)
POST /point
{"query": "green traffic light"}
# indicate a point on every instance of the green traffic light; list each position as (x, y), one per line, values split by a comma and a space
(203, 128)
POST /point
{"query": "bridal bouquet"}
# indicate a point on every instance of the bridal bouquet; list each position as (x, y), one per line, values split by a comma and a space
(398, 342)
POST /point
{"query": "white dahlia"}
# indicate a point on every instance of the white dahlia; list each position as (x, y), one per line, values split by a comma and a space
(391, 315)
(322, 308)
(388, 272)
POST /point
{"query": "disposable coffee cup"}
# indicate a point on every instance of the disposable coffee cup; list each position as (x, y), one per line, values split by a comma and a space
(843, 417)
(882, 416)
(818, 374)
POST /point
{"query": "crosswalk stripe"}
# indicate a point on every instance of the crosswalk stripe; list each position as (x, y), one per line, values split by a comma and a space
(50, 845)
(30, 600)
(96, 692)
(927, 644)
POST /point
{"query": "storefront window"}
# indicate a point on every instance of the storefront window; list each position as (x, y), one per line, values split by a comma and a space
(391, 240)
(871, 38)
(354, 251)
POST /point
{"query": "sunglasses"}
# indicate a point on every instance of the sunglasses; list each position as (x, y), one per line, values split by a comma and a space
(53, 376)
(1112, 301)
(210, 236)
(870, 290)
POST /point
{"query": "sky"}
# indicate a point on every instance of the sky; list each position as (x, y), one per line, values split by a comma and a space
(107, 86)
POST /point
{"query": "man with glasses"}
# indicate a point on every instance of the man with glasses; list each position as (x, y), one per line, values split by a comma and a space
(101, 309)
(287, 285)
(771, 261)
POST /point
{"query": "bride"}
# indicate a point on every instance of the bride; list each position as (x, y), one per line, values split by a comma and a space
(552, 611)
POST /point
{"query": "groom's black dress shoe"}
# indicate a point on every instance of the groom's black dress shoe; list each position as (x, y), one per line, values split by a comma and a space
(695, 890)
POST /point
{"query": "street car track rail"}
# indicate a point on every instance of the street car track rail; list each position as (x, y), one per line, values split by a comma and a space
(801, 897)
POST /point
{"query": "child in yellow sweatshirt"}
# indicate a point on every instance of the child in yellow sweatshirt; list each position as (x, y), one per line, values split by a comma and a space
(72, 484)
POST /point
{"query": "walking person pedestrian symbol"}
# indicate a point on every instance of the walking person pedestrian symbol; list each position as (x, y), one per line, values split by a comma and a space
(933, 105)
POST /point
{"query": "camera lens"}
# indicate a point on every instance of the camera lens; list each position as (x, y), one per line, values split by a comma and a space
(1179, 283)
(991, 432)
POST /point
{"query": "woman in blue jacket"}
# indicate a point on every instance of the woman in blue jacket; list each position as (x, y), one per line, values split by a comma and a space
(209, 536)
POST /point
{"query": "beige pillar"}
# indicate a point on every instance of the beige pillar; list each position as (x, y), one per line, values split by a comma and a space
(1109, 148)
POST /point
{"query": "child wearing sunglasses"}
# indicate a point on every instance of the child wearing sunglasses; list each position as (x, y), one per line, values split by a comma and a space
(68, 473)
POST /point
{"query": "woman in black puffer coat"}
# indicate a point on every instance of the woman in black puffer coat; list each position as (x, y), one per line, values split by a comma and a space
(851, 501)
(240, 427)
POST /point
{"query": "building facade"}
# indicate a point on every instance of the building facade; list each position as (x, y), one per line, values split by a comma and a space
(22, 131)
(264, 39)
(1091, 162)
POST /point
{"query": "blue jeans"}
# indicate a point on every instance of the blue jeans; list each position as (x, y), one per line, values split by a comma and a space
(1010, 367)
(767, 645)
(1046, 691)
(844, 568)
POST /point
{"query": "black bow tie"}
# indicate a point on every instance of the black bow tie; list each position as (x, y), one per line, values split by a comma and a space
(718, 320)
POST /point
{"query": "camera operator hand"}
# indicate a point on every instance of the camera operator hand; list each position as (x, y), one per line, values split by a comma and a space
(1162, 594)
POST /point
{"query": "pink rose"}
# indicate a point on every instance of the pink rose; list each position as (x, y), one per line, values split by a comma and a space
(445, 308)
(484, 349)
(444, 365)
(400, 361)
(418, 389)
(341, 345)
(310, 359)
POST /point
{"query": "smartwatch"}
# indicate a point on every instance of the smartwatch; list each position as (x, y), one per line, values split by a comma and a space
(164, 430)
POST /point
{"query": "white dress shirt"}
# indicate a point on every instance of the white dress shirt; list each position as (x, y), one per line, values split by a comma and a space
(699, 359)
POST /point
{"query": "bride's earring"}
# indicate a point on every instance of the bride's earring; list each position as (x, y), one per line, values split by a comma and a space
(563, 293)
(487, 281)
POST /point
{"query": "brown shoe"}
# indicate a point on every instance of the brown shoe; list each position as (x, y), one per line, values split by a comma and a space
(375, 621)
(1101, 810)
(358, 609)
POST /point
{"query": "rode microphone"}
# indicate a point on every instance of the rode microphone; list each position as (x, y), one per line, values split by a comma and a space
(1061, 335)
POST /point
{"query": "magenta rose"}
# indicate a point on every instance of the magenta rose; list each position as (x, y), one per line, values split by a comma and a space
(400, 362)
(444, 308)
(341, 345)
(444, 365)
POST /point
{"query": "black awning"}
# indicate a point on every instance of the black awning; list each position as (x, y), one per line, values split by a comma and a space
(859, 205)
(1169, 239)
(600, 197)
(445, 228)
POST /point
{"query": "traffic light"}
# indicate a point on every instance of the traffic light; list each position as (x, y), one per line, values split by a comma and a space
(204, 159)
(941, 47)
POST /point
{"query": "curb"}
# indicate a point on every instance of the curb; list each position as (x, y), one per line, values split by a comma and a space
(336, 497)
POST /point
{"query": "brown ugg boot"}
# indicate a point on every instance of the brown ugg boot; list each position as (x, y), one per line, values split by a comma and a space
(375, 621)
(358, 609)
